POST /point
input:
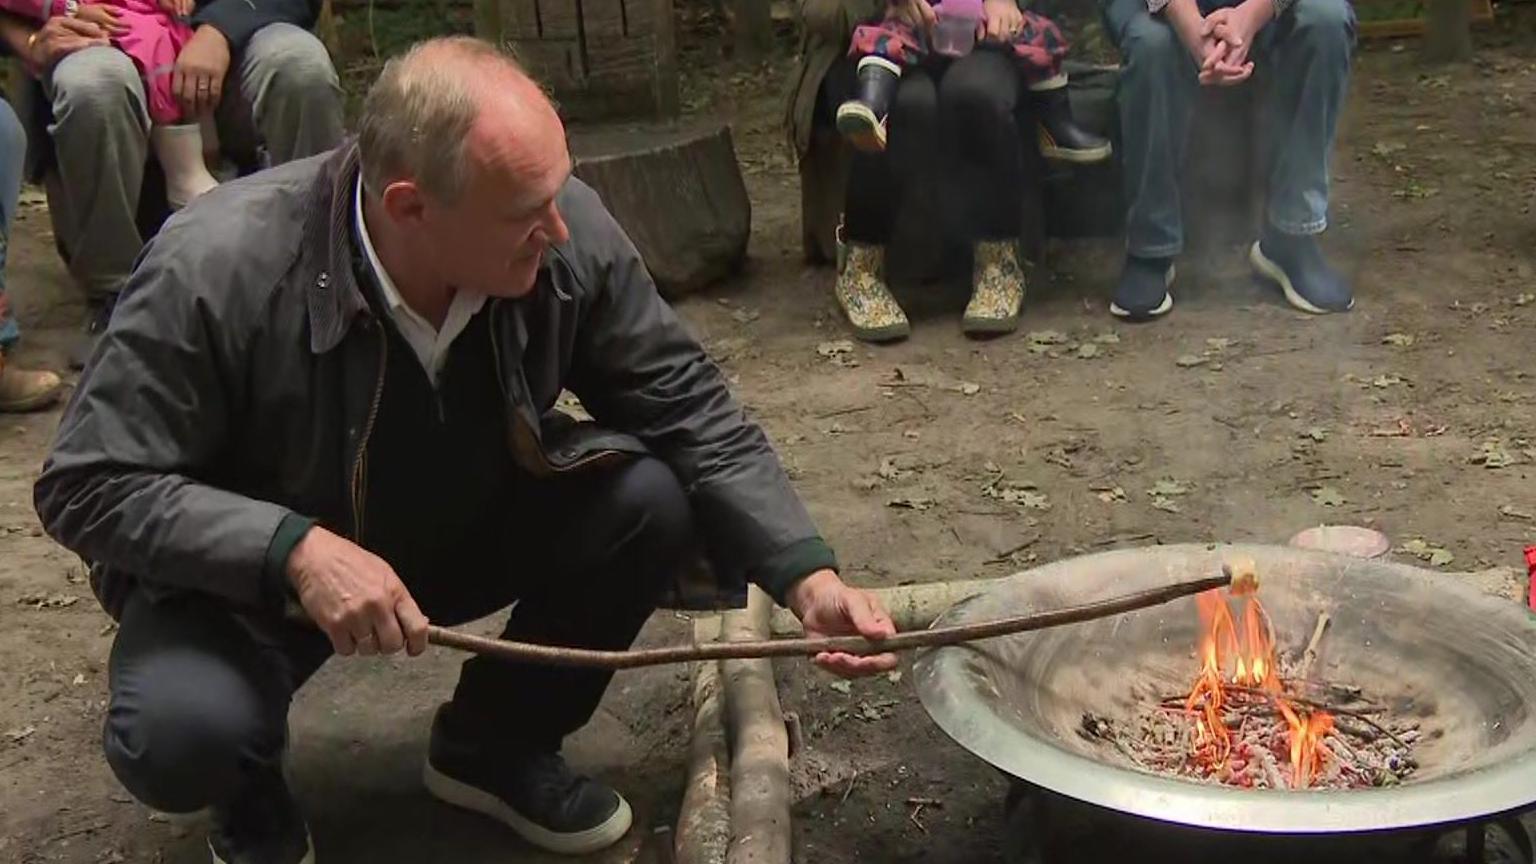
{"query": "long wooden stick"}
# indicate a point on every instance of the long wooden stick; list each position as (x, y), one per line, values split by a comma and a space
(550, 655)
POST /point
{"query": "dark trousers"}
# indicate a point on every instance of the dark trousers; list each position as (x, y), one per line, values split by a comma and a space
(953, 141)
(199, 692)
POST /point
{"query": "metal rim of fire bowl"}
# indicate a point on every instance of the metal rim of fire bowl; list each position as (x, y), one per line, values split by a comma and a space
(963, 713)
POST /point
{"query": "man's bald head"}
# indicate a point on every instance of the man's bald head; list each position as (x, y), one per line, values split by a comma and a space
(421, 114)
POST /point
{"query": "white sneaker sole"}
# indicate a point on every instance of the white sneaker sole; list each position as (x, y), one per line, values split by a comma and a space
(309, 854)
(1162, 309)
(1275, 273)
(451, 791)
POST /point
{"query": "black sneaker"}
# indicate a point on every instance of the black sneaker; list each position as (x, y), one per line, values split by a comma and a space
(101, 315)
(1143, 290)
(1297, 265)
(263, 827)
(537, 795)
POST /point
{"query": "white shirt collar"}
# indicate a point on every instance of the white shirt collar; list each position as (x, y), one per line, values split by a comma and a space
(429, 344)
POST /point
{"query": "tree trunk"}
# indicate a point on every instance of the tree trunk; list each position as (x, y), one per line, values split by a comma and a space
(752, 26)
(677, 191)
(1448, 33)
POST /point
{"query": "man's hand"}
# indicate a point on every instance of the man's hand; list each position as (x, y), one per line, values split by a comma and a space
(826, 606)
(1002, 20)
(198, 79)
(916, 13)
(60, 37)
(1234, 30)
(105, 17)
(355, 597)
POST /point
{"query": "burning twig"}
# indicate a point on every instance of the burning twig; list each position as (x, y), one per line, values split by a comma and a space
(1309, 656)
(1323, 706)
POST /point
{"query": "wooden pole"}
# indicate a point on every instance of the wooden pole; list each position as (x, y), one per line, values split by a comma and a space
(752, 27)
(549, 655)
(1448, 31)
(760, 827)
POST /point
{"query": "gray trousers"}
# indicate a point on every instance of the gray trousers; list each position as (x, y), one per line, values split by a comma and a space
(281, 88)
(1303, 60)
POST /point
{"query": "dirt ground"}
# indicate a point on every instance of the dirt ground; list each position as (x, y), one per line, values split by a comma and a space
(1415, 414)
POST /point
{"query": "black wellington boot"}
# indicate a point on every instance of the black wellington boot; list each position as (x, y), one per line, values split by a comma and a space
(1061, 138)
(862, 119)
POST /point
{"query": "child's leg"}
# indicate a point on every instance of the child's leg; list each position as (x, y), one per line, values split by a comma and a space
(153, 41)
(882, 48)
(1040, 49)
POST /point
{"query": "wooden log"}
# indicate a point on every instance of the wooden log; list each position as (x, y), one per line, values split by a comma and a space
(704, 819)
(912, 607)
(1448, 31)
(760, 827)
(677, 191)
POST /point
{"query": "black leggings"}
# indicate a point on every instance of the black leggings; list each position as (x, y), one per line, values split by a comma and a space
(954, 141)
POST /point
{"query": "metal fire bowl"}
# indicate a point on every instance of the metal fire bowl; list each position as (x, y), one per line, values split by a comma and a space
(1459, 661)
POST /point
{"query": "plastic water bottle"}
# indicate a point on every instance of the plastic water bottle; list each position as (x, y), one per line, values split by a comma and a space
(955, 33)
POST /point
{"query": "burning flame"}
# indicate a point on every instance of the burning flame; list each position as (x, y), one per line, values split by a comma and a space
(1249, 654)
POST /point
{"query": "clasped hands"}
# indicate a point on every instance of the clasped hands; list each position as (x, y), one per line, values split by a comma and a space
(1220, 41)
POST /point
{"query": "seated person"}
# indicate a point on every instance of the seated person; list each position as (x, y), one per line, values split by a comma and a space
(20, 389)
(1172, 46)
(247, 63)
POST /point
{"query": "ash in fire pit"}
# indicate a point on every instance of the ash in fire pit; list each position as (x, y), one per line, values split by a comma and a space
(1254, 721)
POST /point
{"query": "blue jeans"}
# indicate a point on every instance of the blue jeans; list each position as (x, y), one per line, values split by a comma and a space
(1302, 58)
(13, 149)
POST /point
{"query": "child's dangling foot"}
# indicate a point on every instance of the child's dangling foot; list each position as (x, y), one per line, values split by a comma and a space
(179, 149)
(862, 119)
(1060, 136)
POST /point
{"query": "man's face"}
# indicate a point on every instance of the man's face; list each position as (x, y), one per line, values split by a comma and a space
(493, 238)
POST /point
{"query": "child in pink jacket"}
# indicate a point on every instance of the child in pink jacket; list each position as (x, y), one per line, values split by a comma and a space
(152, 34)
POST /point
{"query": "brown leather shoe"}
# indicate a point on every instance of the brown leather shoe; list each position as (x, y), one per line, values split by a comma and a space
(26, 390)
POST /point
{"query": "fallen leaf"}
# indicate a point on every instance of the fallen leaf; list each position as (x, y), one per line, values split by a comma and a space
(968, 388)
(1110, 338)
(18, 735)
(1047, 337)
(745, 316)
(1492, 455)
(1524, 299)
(1401, 340)
(1513, 512)
(1189, 361)
(1168, 487)
(32, 196)
(894, 676)
(79, 679)
(1328, 496)
(1112, 496)
(911, 503)
(1386, 381)
(1441, 558)
(912, 434)
(835, 347)
(1316, 433)
(889, 470)
(841, 686)
(47, 601)
(1384, 149)
(1218, 344)
(1165, 504)
(1087, 351)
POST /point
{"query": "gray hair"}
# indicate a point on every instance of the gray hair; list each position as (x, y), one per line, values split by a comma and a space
(418, 114)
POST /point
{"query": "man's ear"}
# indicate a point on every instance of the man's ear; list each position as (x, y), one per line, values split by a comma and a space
(404, 203)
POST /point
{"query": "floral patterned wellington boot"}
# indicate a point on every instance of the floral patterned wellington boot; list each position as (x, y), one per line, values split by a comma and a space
(861, 291)
(997, 289)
